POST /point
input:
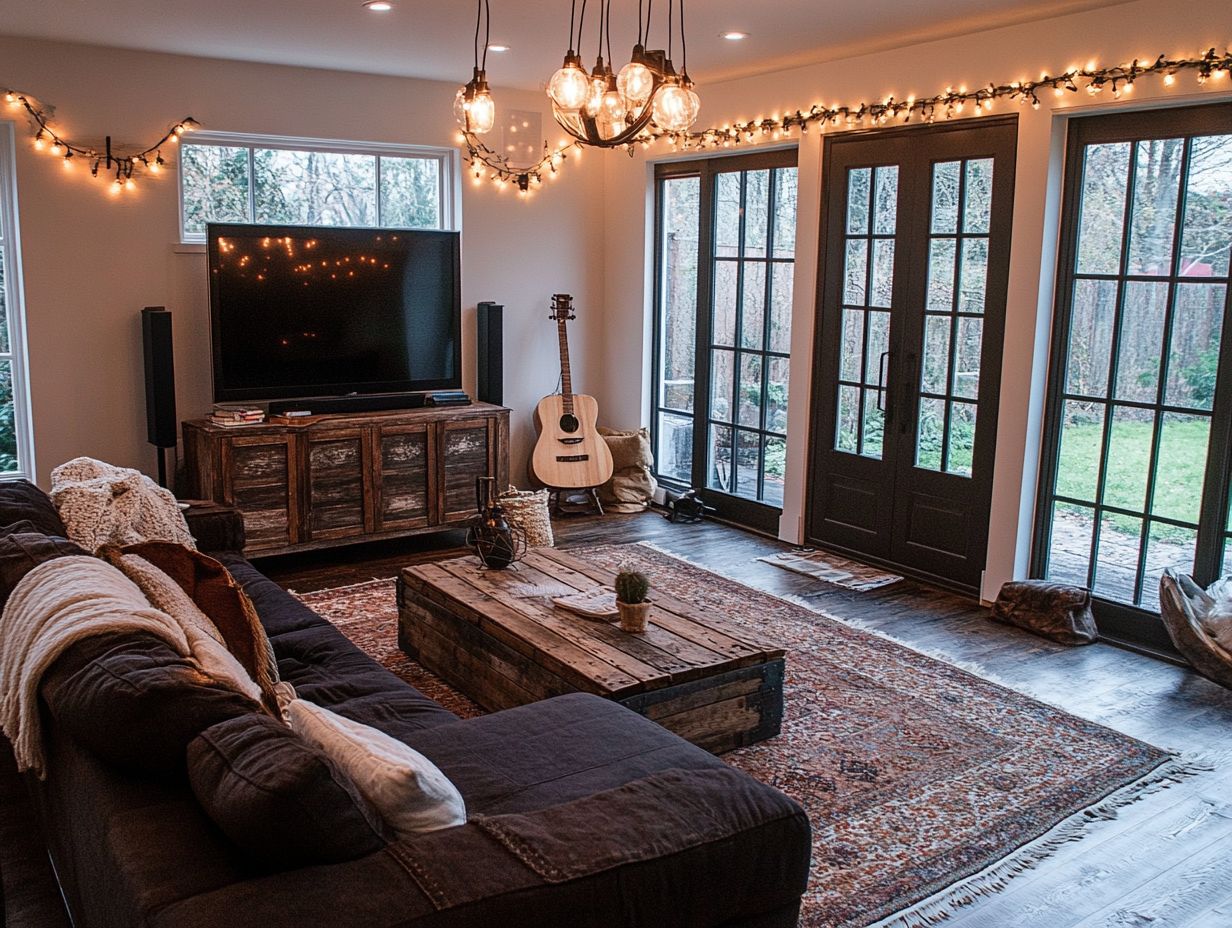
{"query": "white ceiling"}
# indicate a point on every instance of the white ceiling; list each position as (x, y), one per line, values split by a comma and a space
(432, 38)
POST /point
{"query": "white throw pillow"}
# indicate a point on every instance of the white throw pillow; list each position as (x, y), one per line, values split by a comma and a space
(1216, 618)
(408, 790)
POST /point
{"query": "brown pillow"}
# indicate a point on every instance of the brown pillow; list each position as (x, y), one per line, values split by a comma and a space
(1054, 610)
(20, 499)
(23, 551)
(279, 798)
(214, 590)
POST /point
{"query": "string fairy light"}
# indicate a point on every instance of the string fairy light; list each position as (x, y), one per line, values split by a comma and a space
(948, 104)
(121, 166)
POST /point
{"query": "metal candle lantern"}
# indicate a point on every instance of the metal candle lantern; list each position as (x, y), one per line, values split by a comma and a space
(494, 541)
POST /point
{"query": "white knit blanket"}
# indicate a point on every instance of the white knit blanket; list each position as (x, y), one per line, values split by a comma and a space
(56, 604)
(103, 504)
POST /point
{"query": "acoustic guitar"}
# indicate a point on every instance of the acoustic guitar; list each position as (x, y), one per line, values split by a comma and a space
(570, 453)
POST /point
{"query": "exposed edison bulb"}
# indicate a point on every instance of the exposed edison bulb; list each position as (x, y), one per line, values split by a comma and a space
(674, 111)
(594, 95)
(473, 106)
(569, 87)
(610, 120)
(635, 83)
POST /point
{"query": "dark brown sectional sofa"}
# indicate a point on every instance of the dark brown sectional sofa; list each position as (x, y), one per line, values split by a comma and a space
(582, 813)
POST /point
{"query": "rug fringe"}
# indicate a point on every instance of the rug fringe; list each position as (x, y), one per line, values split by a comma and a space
(942, 906)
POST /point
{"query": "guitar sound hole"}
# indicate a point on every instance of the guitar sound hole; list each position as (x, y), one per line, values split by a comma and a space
(569, 423)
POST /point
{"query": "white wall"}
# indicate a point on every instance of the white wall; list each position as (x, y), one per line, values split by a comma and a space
(1113, 35)
(92, 261)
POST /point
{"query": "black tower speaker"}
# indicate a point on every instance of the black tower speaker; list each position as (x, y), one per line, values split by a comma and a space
(491, 353)
(160, 419)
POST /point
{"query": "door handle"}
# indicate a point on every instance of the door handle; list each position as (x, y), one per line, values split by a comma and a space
(881, 384)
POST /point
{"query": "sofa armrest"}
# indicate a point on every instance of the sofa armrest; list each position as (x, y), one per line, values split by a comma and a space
(215, 527)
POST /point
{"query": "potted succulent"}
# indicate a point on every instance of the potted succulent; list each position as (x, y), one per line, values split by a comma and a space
(631, 602)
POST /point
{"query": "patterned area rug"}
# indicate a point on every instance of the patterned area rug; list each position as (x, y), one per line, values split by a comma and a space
(915, 774)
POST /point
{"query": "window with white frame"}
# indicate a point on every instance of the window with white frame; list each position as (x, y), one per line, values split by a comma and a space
(16, 443)
(264, 180)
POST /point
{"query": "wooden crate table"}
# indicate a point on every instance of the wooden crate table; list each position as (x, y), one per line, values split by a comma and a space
(497, 637)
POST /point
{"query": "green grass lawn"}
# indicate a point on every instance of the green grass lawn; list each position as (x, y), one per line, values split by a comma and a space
(1178, 485)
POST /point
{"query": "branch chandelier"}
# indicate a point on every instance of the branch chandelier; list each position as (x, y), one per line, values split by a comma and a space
(1118, 81)
(105, 160)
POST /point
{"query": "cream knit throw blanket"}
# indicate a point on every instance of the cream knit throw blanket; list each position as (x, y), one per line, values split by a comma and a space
(56, 604)
(102, 504)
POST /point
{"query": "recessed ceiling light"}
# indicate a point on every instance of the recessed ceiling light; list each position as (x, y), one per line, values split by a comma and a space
(498, 48)
(378, 6)
(733, 36)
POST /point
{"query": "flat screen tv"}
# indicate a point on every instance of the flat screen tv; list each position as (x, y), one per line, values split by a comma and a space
(299, 312)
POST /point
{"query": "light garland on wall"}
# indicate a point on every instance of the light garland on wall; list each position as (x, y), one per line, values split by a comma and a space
(1119, 80)
(106, 161)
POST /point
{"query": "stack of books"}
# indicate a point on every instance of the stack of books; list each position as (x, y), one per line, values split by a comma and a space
(233, 415)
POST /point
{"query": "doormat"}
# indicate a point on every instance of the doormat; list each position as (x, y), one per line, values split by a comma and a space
(920, 779)
(821, 565)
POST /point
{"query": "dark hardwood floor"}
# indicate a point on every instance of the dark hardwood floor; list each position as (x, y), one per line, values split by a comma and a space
(1163, 862)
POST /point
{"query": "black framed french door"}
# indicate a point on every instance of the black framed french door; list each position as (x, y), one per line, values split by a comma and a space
(725, 237)
(1138, 441)
(911, 309)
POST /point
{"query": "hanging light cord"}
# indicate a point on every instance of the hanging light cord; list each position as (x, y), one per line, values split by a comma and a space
(581, 27)
(572, 18)
(607, 32)
(684, 48)
(487, 32)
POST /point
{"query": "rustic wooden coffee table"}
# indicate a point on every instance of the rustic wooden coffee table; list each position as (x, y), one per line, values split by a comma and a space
(497, 637)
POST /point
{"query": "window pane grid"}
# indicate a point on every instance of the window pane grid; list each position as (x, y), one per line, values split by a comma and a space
(225, 182)
(1151, 448)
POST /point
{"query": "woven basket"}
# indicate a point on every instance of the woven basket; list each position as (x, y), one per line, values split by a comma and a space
(529, 509)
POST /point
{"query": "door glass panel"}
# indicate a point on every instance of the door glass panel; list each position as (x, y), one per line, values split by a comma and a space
(781, 287)
(1208, 233)
(960, 445)
(967, 357)
(676, 333)
(883, 273)
(946, 181)
(977, 200)
(885, 208)
(974, 281)
(776, 395)
(748, 466)
(1090, 337)
(1193, 362)
(1157, 180)
(722, 374)
(785, 192)
(720, 477)
(723, 329)
(1069, 550)
(776, 469)
(675, 455)
(852, 348)
(1082, 437)
(936, 354)
(727, 215)
(1101, 222)
(954, 334)
(750, 390)
(873, 437)
(753, 317)
(1142, 326)
(941, 252)
(756, 213)
(847, 430)
(1158, 342)
(859, 192)
(856, 273)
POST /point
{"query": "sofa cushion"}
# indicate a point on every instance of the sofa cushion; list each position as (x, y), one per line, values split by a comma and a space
(327, 669)
(21, 552)
(134, 702)
(278, 797)
(20, 499)
(554, 751)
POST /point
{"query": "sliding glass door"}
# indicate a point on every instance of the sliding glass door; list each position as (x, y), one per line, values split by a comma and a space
(726, 241)
(1136, 465)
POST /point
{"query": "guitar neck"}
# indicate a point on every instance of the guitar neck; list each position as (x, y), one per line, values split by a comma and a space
(566, 379)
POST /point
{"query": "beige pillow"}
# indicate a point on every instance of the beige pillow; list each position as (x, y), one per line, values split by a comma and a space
(408, 790)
